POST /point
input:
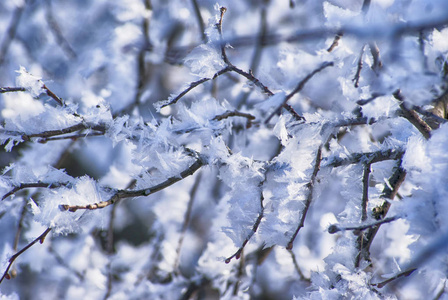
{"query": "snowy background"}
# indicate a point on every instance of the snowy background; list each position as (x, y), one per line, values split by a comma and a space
(188, 149)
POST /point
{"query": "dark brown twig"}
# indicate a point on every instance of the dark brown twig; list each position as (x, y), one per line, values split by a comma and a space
(365, 191)
(412, 116)
(234, 113)
(40, 239)
(53, 95)
(401, 274)
(296, 266)
(193, 85)
(12, 89)
(32, 185)
(335, 42)
(309, 197)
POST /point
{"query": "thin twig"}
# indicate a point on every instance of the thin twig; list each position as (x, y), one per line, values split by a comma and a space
(368, 100)
(237, 254)
(296, 266)
(193, 85)
(53, 95)
(121, 194)
(401, 274)
(335, 43)
(359, 68)
(375, 51)
(56, 30)
(335, 228)
(372, 157)
(11, 89)
(413, 117)
(200, 20)
(33, 185)
(365, 191)
(234, 113)
(40, 239)
(309, 198)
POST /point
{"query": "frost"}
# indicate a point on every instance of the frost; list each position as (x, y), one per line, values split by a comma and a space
(83, 191)
(226, 192)
(440, 40)
(205, 61)
(337, 16)
(31, 83)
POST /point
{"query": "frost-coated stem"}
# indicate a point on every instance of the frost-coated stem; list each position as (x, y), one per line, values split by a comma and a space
(200, 20)
(237, 254)
(309, 198)
(372, 157)
(193, 85)
(412, 116)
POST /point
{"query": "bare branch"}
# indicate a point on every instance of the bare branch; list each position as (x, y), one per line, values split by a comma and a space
(401, 274)
(193, 85)
(296, 266)
(40, 239)
(335, 228)
(32, 185)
